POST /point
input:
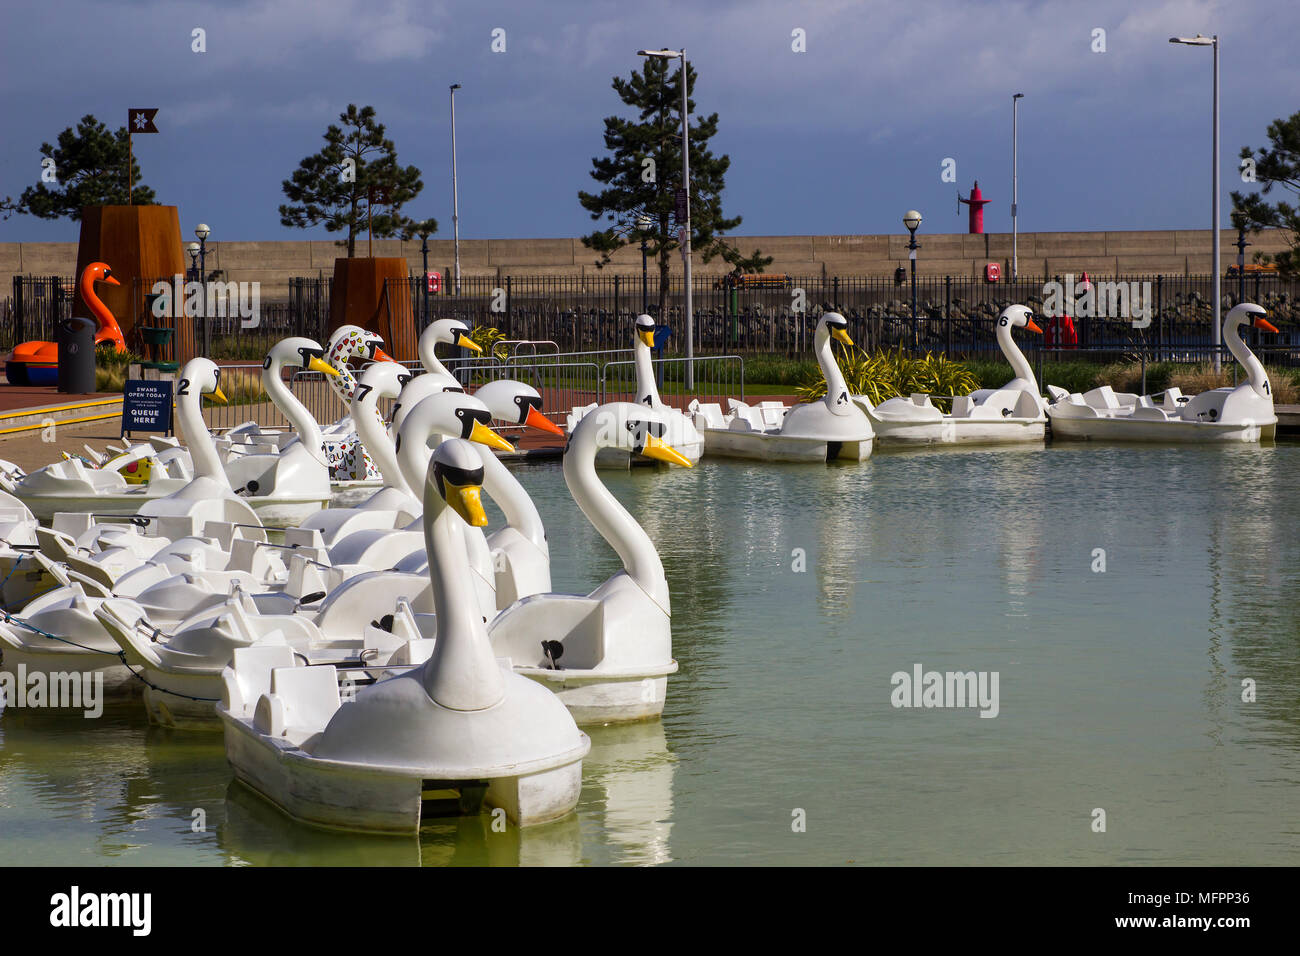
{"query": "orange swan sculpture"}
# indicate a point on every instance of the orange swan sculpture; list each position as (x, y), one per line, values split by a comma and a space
(28, 357)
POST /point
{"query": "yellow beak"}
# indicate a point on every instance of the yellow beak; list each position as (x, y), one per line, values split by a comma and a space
(647, 337)
(841, 335)
(319, 365)
(466, 501)
(660, 450)
(466, 342)
(219, 396)
(486, 436)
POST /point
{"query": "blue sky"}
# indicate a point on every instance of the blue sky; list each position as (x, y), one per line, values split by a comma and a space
(842, 138)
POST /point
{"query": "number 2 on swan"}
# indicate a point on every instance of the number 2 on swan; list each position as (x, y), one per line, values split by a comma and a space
(183, 388)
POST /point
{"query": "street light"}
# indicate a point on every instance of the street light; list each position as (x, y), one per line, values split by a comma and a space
(201, 231)
(1213, 41)
(686, 225)
(644, 223)
(193, 249)
(1015, 175)
(455, 195)
(424, 251)
(1241, 264)
(912, 220)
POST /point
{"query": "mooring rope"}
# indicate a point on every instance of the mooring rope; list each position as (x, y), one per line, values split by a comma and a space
(120, 655)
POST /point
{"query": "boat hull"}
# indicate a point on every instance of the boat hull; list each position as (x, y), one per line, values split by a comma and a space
(341, 796)
(958, 431)
(767, 446)
(1128, 429)
(596, 697)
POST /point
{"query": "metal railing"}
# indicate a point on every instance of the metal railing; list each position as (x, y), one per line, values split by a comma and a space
(581, 314)
(716, 378)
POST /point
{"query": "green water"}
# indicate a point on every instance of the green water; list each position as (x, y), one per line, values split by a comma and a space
(1119, 690)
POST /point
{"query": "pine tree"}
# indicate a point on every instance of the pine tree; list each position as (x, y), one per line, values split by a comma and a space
(89, 169)
(642, 173)
(1276, 166)
(333, 187)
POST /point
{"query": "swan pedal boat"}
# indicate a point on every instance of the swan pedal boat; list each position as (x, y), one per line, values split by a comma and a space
(460, 724)
(988, 416)
(1241, 414)
(832, 428)
(679, 428)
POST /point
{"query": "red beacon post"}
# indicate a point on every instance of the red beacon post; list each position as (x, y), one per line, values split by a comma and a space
(977, 202)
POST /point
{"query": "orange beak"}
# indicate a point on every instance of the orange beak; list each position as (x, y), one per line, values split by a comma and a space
(1265, 324)
(110, 280)
(381, 356)
(1032, 326)
(539, 421)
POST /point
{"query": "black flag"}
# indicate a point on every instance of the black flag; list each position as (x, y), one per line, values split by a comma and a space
(141, 121)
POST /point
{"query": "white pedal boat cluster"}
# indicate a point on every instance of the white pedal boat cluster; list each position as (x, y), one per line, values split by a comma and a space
(1015, 412)
(1241, 414)
(833, 428)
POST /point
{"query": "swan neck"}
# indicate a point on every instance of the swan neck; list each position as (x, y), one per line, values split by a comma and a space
(647, 392)
(1241, 352)
(462, 673)
(516, 506)
(835, 384)
(308, 431)
(203, 450)
(427, 350)
(374, 437)
(1019, 364)
(612, 521)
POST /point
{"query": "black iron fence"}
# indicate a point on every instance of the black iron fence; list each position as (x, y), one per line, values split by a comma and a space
(1163, 316)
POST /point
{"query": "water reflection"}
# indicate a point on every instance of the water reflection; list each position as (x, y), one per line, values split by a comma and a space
(627, 793)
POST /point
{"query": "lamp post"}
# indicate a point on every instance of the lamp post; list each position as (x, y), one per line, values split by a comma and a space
(424, 251)
(1213, 42)
(1015, 177)
(686, 224)
(201, 232)
(912, 220)
(455, 195)
(193, 249)
(644, 224)
(1241, 264)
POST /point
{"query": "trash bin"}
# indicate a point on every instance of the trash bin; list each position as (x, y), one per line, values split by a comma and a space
(76, 341)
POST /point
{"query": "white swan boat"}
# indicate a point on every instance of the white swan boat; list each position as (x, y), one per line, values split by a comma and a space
(833, 427)
(1015, 412)
(679, 429)
(608, 654)
(282, 487)
(1241, 414)
(460, 723)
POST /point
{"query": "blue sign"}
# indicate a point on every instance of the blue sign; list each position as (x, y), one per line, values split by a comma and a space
(147, 406)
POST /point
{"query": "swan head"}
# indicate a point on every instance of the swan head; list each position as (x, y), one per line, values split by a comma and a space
(456, 476)
(448, 332)
(420, 386)
(453, 414)
(204, 376)
(385, 379)
(1242, 312)
(645, 330)
(1019, 316)
(352, 341)
(301, 353)
(516, 403)
(835, 326)
(99, 272)
(628, 427)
